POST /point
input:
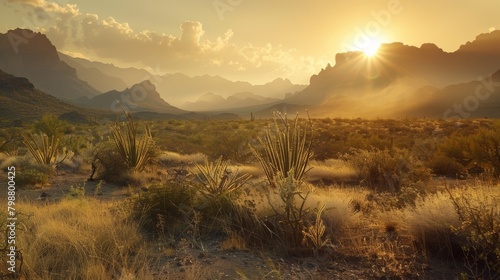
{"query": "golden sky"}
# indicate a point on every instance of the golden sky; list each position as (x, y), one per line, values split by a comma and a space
(250, 40)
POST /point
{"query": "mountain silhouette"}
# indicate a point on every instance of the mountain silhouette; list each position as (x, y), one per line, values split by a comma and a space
(398, 70)
(106, 77)
(140, 97)
(474, 99)
(21, 103)
(29, 54)
(180, 88)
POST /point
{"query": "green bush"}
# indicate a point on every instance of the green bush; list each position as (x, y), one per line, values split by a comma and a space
(33, 175)
(163, 206)
(51, 126)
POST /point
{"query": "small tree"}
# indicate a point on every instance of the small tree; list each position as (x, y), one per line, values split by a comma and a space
(51, 126)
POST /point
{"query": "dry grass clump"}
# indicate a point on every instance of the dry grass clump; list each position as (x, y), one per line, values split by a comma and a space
(339, 211)
(430, 222)
(81, 239)
(7, 160)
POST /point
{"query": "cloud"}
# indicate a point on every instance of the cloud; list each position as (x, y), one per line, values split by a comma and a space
(189, 51)
(28, 2)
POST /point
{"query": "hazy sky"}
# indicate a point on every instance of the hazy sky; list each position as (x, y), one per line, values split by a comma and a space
(252, 40)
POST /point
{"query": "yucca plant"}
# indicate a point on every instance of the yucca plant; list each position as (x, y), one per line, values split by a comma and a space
(136, 151)
(285, 147)
(44, 149)
(217, 181)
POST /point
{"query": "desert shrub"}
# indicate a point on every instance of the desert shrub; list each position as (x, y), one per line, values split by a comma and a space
(445, 166)
(9, 139)
(220, 204)
(109, 163)
(478, 209)
(486, 147)
(51, 126)
(289, 213)
(284, 155)
(162, 206)
(29, 174)
(388, 170)
(231, 143)
(457, 147)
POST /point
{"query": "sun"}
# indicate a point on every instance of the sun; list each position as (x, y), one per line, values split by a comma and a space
(371, 48)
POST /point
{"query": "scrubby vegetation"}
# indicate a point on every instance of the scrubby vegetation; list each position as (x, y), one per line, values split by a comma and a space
(392, 197)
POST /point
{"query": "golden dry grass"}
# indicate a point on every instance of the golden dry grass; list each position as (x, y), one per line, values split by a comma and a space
(81, 239)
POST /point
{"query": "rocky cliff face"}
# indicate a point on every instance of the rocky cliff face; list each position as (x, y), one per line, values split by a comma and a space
(413, 67)
(29, 54)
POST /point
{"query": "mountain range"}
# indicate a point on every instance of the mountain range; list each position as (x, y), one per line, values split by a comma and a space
(399, 81)
(138, 98)
(381, 86)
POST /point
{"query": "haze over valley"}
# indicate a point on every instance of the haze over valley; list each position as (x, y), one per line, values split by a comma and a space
(375, 71)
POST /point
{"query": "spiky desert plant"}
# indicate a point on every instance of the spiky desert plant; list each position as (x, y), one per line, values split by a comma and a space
(286, 146)
(45, 150)
(136, 151)
(218, 181)
(314, 233)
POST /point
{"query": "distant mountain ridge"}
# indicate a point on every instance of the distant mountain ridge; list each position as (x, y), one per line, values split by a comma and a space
(25, 53)
(179, 89)
(105, 77)
(138, 98)
(212, 102)
(21, 102)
